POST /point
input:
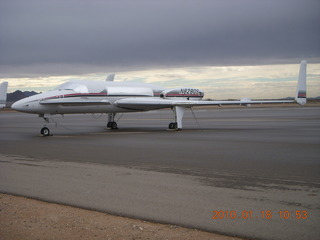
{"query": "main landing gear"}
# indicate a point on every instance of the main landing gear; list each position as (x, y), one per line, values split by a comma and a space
(173, 125)
(178, 115)
(111, 123)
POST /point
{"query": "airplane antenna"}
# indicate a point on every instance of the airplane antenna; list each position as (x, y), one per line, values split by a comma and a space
(195, 117)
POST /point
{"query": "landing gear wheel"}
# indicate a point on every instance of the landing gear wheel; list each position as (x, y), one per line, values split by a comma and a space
(173, 125)
(45, 132)
(113, 125)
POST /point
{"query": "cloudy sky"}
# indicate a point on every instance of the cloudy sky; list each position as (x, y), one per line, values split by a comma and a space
(229, 48)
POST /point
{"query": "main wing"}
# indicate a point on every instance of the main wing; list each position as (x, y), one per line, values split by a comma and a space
(178, 106)
(158, 103)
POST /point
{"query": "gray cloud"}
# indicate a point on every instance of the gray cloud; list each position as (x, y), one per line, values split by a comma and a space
(52, 37)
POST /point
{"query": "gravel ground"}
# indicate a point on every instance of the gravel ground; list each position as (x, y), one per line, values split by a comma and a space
(22, 218)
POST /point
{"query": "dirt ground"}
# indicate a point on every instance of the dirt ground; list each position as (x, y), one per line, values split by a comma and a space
(22, 218)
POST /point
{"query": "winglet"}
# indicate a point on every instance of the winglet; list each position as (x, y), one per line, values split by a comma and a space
(110, 78)
(301, 95)
(3, 94)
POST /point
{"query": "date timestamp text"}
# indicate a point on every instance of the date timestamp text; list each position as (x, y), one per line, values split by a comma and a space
(266, 214)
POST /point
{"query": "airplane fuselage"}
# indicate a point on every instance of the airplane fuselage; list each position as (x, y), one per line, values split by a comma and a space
(86, 97)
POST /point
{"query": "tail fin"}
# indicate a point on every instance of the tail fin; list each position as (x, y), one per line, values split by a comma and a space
(301, 95)
(3, 94)
(110, 78)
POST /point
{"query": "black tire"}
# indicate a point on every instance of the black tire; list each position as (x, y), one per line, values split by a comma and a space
(45, 131)
(113, 125)
(172, 125)
(109, 125)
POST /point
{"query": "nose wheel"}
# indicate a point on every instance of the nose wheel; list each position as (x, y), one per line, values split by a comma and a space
(45, 131)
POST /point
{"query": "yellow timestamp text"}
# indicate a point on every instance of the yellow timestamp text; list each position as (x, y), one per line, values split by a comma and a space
(265, 214)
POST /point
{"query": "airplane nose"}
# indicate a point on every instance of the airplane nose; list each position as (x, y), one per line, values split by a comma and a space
(17, 106)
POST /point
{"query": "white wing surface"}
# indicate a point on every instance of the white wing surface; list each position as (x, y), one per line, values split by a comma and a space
(3, 94)
(157, 103)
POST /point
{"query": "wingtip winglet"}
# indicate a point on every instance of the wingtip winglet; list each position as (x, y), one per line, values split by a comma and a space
(301, 94)
(3, 94)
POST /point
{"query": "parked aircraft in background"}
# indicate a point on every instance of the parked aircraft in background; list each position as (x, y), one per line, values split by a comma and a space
(120, 97)
(3, 94)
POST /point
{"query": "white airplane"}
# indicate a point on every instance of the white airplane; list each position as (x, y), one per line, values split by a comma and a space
(3, 94)
(120, 97)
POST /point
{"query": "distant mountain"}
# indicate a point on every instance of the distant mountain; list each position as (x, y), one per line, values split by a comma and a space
(28, 94)
(287, 98)
(17, 95)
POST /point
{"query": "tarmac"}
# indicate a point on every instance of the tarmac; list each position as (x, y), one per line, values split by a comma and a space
(246, 172)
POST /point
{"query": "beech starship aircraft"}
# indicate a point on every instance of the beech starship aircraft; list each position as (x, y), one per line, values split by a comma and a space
(120, 97)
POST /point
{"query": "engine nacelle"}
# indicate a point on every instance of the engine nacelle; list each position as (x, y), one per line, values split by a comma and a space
(183, 93)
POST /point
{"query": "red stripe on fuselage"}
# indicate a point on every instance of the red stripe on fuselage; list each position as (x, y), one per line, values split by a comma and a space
(77, 95)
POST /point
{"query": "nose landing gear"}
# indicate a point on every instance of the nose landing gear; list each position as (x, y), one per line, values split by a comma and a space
(45, 131)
